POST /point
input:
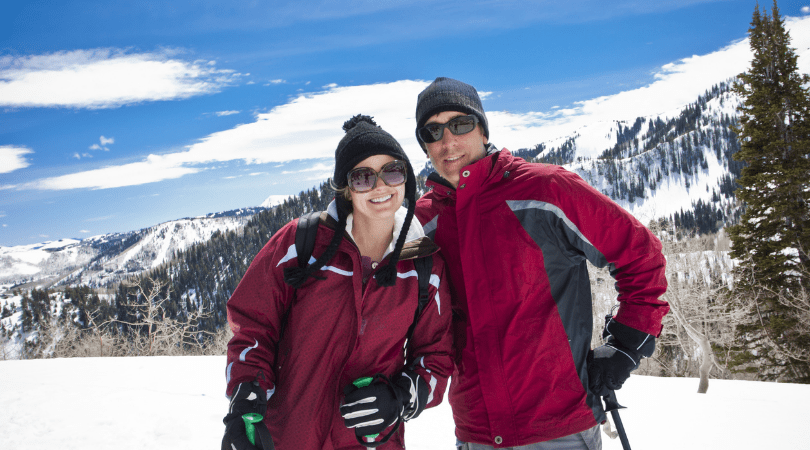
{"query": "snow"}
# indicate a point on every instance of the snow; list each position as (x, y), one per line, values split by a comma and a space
(274, 200)
(595, 138)
(34, 253)
(179, 402)
(672, 194)
(49, 262)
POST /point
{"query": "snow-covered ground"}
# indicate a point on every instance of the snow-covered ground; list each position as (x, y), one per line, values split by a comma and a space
(178, 403)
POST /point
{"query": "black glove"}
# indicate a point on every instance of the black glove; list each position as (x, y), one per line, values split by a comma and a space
(418, 393)
(609, 366)
(373, 408)
(246, 398)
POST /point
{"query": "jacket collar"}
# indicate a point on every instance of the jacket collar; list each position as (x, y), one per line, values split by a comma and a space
(443, 188)
(415, 230)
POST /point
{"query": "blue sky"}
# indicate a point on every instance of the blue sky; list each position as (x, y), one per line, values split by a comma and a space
(116, 116)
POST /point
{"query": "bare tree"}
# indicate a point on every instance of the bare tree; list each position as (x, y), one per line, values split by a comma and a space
(698, 324)
(63, 339)
(154, 331)
(697, 276)
(8, 348)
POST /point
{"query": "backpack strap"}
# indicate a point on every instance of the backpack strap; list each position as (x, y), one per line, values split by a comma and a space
(424, 268)
(305, 234)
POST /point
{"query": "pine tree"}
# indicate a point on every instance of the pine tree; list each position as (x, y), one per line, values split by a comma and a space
(772, 240)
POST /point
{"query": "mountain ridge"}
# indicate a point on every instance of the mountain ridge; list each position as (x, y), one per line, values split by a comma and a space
(656, 168)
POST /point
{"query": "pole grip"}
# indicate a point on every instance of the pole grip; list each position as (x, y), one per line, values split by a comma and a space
(251, 419)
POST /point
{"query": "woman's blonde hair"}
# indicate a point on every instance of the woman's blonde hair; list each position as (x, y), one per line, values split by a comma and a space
(344, 191)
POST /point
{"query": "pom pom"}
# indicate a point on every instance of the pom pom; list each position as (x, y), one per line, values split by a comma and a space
(387, 276)
(351, 123)
(295, 276)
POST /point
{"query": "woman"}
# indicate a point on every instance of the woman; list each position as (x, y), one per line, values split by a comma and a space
(344, 317)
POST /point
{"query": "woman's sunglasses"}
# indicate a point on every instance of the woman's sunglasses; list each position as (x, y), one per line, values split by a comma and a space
(364, 179)
(433, 132)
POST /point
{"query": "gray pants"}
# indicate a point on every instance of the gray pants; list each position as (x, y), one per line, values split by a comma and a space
(590, 439)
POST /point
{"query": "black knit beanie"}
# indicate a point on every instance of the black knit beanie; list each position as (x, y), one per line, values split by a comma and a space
(364, 138)
(447, 94)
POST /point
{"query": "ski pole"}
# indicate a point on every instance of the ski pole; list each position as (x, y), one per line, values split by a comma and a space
(363, 382)
(612, 405)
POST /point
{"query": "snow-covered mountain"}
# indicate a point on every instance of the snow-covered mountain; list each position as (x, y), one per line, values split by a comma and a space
(660, 166)
(676, 166)
(106, 259)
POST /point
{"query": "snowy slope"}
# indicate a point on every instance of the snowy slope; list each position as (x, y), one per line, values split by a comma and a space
(675, 192)
(105, 259)
(178, 403)
(274, 200)
(29, 259)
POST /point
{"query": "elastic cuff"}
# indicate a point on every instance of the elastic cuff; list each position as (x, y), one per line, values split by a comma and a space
(639, 342)
(418, 391)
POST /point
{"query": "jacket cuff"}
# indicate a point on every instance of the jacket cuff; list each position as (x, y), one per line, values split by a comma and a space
(638, 342)
(418, 390)
(265, 385)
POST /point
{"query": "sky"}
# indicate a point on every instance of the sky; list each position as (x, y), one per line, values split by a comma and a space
(115, 116)
(154, 403)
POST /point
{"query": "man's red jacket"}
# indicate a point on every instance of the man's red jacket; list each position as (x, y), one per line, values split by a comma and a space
(516, 238)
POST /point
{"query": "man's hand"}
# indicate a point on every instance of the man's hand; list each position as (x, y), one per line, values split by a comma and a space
(609, 366)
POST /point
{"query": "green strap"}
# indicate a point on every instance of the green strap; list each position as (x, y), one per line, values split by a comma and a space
(251, 419)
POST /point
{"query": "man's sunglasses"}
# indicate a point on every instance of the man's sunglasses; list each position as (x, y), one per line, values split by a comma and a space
(364, 179)
(433, 132)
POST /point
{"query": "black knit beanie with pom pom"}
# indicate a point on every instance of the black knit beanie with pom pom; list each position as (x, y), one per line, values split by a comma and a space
(364, 138)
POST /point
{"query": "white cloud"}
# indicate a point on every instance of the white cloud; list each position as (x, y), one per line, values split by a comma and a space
(104, 78)
(12, 158)
(278, 81)
(103, 144)
(84, 231)
(226, 113)
(806, 9)
(316, 168)
(154, 168)
(309, 125)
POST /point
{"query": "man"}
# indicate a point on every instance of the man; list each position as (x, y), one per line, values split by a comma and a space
(517, 237)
